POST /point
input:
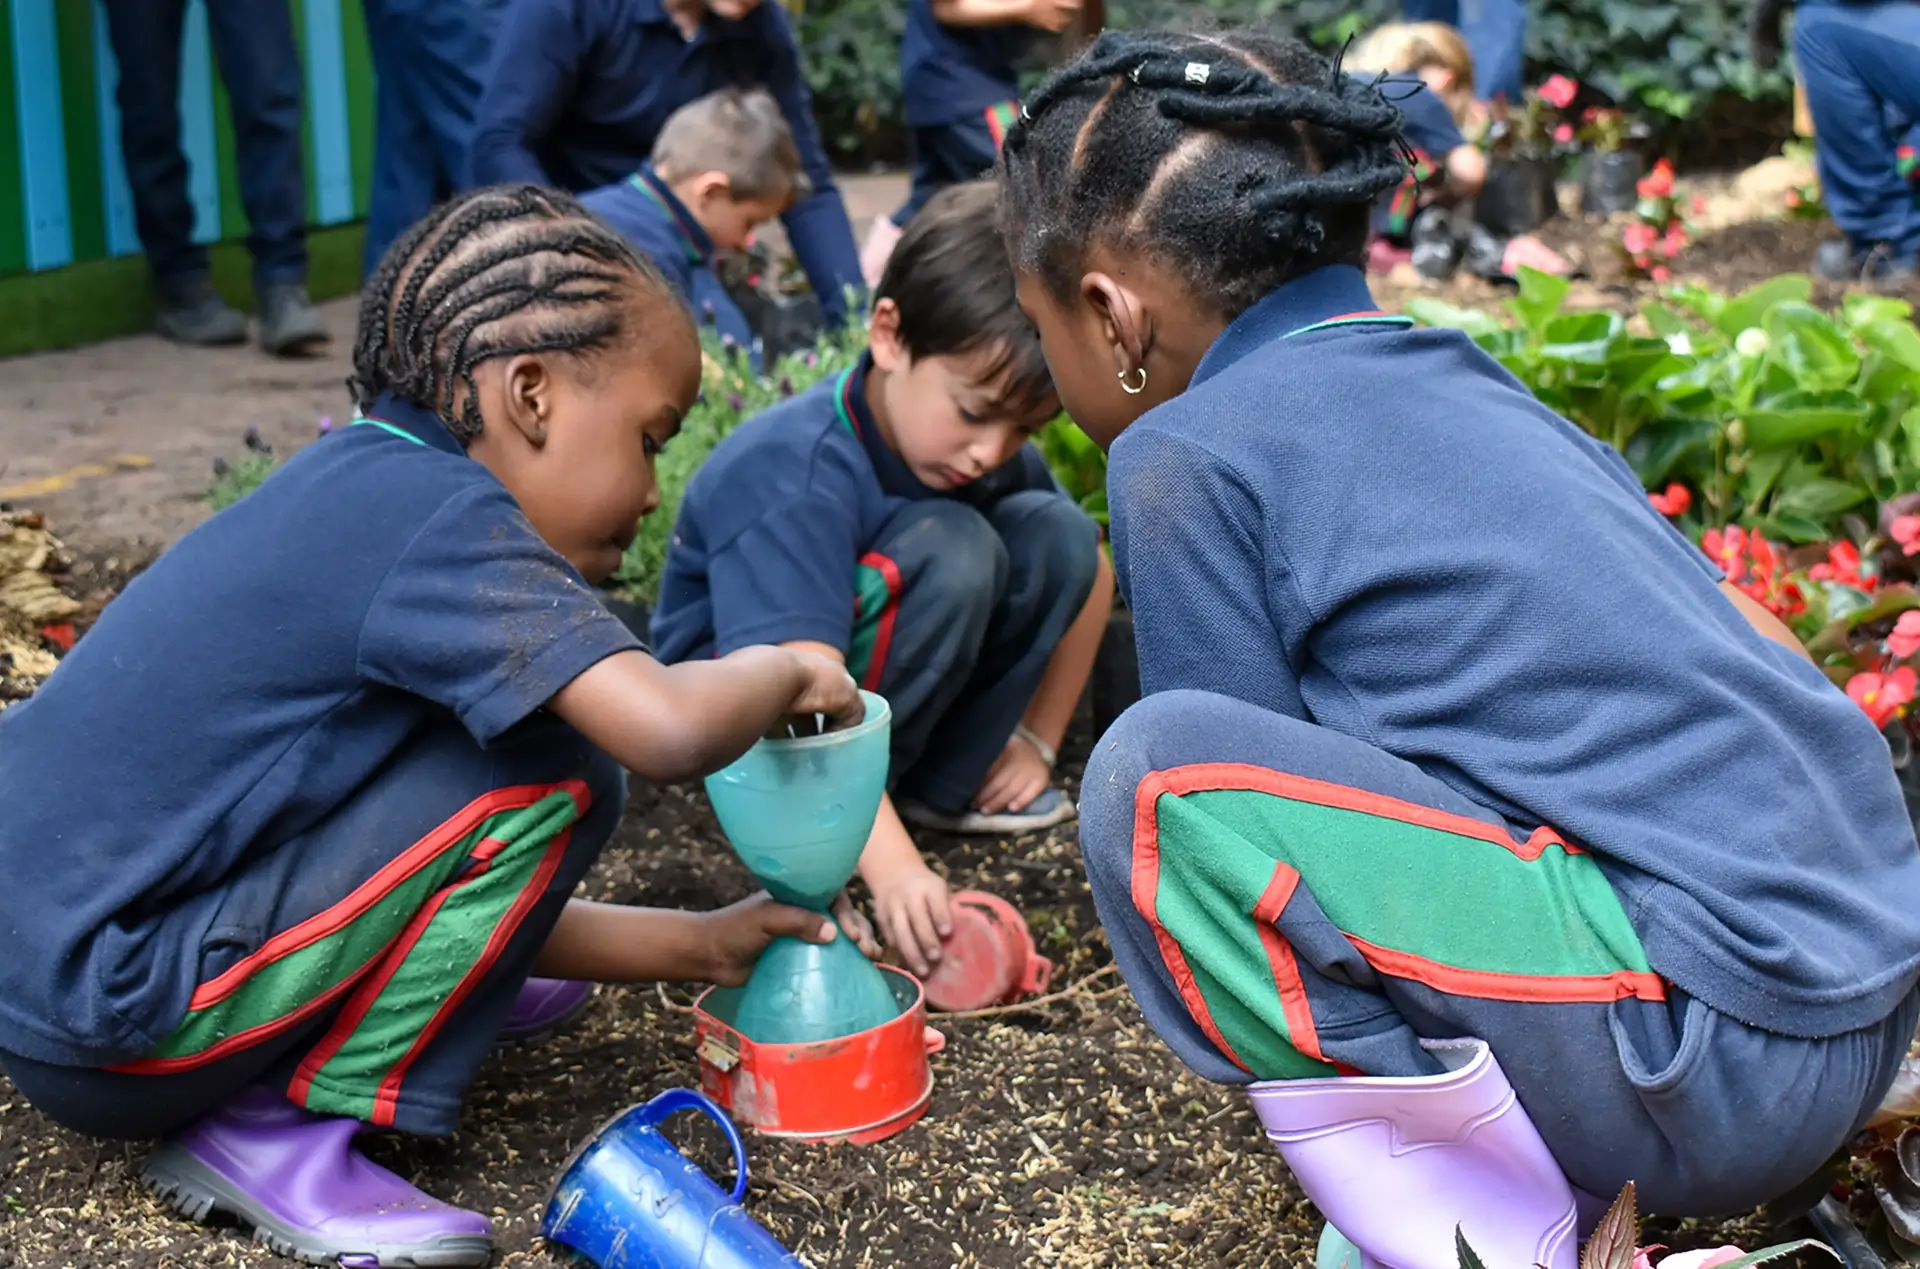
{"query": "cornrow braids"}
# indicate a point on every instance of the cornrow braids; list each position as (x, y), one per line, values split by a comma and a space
(499, 272)
(1247, 158)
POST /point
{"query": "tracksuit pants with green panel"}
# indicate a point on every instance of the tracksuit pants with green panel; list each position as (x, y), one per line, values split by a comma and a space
(1287, 902)
(364, 967)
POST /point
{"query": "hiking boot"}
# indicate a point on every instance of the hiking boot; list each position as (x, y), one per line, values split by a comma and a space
(296, 1178)
(192, 312)
(290, 326)
(543, 1007)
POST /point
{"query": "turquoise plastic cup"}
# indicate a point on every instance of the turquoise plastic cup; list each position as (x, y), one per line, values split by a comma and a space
(798, 811)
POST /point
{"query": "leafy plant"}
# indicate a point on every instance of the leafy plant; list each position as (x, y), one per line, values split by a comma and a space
(1657, 233)
(234, 480)
(1079, 465)
(1804, 201)
(1613, 1246)
(1775, 415)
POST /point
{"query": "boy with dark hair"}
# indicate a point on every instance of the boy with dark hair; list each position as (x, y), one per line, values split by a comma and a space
(895, 518)
(721, 166)
(960, 82)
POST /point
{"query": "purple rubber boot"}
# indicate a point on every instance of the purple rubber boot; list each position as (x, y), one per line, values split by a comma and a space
(1395, 1164)
(543, 1007)
(296, 1178)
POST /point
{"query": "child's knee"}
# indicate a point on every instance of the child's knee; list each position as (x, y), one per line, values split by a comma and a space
(954, 562)
(1046, 533)
(1121, 760)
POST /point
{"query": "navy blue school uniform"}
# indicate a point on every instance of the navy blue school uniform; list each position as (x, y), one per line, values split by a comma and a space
(259, 65)
(657, 223)
(1431, 133)
(804, 525)
(428, 58)
(222, 845)
(1858, 63)
(579, 89)
(1402, 628)
(961, 87)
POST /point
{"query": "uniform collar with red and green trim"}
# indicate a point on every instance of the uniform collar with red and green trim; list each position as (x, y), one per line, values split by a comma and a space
(851, 413)
(1330, 297)
(697, 241)
(397, 416)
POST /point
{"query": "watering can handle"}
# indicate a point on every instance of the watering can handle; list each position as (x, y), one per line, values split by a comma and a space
(678, 1099)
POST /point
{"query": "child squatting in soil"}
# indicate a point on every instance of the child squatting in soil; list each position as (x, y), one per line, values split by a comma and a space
(896, 518)
(274, 879)
(722, 165)
(1459, 772)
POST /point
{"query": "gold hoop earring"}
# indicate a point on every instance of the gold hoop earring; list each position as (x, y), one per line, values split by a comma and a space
(1132, 391)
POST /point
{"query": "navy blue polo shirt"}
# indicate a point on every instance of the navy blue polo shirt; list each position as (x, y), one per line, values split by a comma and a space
(773, 525)
(242, 688)
(952, 74)
(659, 225)
(579, 89)
(1379, 530)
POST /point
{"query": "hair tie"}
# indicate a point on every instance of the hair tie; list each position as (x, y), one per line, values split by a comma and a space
(1197, 72)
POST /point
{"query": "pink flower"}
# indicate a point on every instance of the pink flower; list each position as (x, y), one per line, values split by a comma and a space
(1906, 531)
(1699, 205)
(1905, 639)
(1883, 695)
(1563, 134)
(1640, 238)
(1559, 91)
(1657, 183)
(1660, 273)
(1676, 238)
(1674, 501)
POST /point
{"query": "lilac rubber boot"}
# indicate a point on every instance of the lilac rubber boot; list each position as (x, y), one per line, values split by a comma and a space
(296, 1178)
(543, 1007)
(1395, 1164)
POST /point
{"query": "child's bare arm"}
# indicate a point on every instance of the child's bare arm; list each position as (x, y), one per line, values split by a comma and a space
(1048, 15)
(1763, 621)
(613, 943)
(676, 722)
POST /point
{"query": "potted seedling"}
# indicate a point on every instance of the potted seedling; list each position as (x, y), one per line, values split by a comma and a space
(1610, 169)
(1518, 195)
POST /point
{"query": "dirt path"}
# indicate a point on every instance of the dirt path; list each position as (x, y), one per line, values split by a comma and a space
(121, 437)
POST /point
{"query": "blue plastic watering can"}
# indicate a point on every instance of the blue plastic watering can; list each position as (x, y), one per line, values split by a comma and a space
(629, 1200)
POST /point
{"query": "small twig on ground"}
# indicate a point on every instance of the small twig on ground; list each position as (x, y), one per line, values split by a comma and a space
(1074, 990)
(661, 990)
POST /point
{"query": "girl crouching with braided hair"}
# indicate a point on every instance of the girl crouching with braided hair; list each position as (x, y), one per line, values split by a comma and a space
(1469, 817)
(267, 889)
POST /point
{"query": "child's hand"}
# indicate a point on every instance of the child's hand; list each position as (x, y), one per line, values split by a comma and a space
(828, 690)
(738, 933)
(911, 904)
(854, 924)
(1017, 777)
(1053, 15)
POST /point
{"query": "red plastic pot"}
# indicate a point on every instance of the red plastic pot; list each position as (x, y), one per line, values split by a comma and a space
(860, 1088)
(989, 959)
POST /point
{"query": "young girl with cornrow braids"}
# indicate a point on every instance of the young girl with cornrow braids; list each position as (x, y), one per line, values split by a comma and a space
(1469, 817)
(267, 889)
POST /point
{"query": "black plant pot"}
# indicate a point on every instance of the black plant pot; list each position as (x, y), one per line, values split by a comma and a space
(1609, 181)
(1116, 671)
(1906, 765)
(785, 323)
(1518, 196)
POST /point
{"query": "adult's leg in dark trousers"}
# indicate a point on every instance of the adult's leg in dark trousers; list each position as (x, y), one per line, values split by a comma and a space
(1053, 554)
(1287, 902)
(260, 65)
(1855, 61)
(947, 155)
(146, 37)
(364, 967)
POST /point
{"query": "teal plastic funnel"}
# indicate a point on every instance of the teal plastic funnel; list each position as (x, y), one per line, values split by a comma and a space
(802, 992)
(798, 811)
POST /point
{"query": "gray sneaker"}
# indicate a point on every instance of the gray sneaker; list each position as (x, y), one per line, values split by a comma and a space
(192, 312)
(290, 326)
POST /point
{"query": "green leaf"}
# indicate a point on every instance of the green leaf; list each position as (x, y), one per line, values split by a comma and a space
(1896, 339)
(1751, 306)
(1612, 1243)
(1845, 601)
(1910, 428)
(1439, 313)
(1762, 471)
(1633, 362)
(1663, 444)
(1811, 347)
(1797, 529)
(1794, 417)
(1469, 1259)
(1777, 1251)
(1582, 339)
(1541, 295)
(1862, 310)
(1662, 320)
(1700, 301)
(1821, 497)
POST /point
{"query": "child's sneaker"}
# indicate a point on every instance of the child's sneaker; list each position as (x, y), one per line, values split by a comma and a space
(1050, 808)
(296, 1178)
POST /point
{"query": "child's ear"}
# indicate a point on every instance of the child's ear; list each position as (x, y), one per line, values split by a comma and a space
(1122, 318)
(526, 405)
(709, 186)
(883, 338)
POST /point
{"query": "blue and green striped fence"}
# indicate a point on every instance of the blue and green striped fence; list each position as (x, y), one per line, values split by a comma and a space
(69, 257)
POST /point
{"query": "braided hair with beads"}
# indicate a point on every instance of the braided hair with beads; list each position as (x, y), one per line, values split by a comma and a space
(1243, 158)
(500, 272)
